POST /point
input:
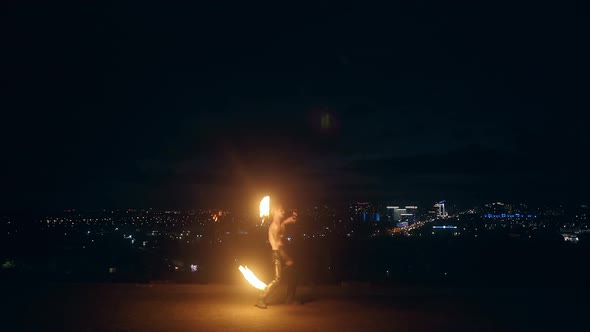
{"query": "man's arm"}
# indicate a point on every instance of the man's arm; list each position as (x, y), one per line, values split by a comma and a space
(286, 258)
(291, 219)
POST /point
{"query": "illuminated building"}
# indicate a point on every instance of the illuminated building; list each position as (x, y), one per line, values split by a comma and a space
(364, 212)
(399, 214)
(441, 212)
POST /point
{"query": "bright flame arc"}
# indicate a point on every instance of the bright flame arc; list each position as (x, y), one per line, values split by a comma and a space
(265, 207)
(252, 278)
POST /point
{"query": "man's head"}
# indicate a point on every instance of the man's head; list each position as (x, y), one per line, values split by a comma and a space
(278, 212)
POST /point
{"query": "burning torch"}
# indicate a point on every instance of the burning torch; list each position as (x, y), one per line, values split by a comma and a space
(249, 275)
(264, 208)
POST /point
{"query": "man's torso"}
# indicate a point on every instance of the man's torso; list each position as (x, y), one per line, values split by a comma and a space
(274, 235)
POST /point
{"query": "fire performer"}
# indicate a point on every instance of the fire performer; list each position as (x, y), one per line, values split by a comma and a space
(276, 231)
(291, 269)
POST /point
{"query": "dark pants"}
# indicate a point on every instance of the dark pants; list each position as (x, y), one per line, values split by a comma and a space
(290, 276)
(291, 279)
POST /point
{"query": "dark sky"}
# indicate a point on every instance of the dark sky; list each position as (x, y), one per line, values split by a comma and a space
(151, 105)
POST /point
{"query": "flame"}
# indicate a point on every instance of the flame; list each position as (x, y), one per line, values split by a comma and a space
(265, 207)
(252, 278)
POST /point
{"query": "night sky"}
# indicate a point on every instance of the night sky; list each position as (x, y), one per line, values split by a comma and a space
(138, 104)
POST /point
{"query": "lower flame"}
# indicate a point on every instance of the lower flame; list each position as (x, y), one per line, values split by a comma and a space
(251, 278)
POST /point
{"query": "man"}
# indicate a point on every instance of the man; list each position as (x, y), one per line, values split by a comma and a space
(291, 268)
(276, 230)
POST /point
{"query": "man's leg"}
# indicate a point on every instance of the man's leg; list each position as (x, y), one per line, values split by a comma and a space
(270, 288)
(291, 278)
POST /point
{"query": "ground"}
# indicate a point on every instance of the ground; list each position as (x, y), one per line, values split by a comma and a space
(173, 307)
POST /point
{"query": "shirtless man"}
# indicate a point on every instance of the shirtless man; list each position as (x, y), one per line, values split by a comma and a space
(276, 230)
